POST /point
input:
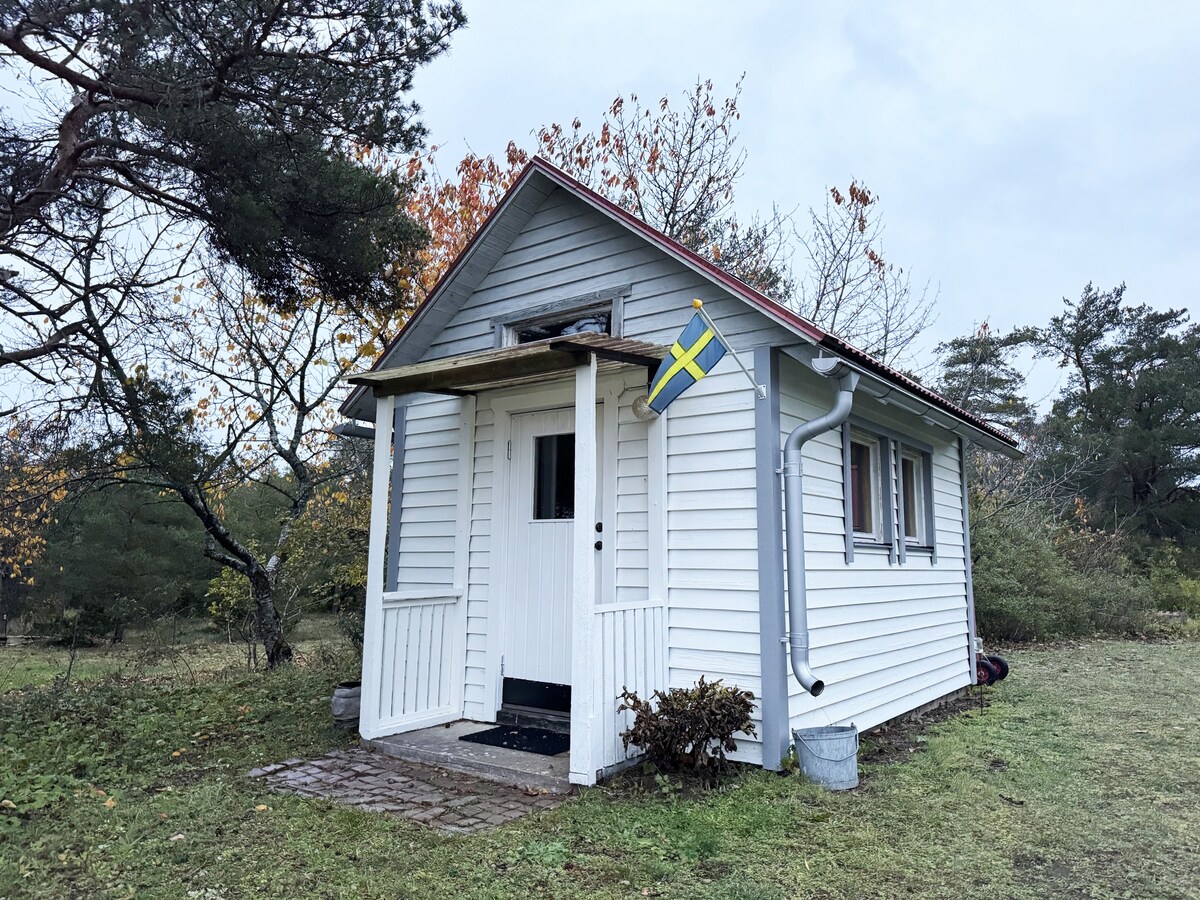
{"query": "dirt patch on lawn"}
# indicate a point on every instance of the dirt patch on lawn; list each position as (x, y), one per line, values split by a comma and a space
(898, 739)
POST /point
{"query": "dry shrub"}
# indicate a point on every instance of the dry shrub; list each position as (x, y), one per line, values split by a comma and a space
(689, 728)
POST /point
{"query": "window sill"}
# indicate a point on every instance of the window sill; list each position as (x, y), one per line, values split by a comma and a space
(877, 547)
(861, 544)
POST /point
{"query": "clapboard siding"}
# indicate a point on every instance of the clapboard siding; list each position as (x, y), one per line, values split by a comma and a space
(483, 487)
(886, 636)
(632, 507)
(429, 495)
(568, 249)
(713, 588)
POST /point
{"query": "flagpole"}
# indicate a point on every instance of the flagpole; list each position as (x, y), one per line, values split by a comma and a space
(760, 391)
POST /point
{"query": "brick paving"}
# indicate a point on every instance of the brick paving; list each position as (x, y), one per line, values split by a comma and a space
(448, 801)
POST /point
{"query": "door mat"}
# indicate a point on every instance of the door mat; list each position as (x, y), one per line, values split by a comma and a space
(527, 739)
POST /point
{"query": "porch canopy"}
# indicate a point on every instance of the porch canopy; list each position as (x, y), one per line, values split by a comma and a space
(472, 372)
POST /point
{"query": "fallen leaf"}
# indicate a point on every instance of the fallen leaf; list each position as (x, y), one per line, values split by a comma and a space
(262, 807)
(175, 755)
(7, 804)
(110, 802)
(163, 816)
(176, 837)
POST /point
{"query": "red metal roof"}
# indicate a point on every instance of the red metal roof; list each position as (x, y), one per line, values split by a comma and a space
(736, 286)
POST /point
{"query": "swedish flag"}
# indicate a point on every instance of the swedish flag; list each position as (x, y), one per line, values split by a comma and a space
(692, 357)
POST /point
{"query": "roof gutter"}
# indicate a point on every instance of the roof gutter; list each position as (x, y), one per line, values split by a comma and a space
(793, 493)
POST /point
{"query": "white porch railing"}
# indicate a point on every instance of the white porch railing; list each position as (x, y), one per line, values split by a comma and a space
(416, 648)
(630, 652)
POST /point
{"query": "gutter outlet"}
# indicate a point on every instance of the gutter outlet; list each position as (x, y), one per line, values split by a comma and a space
(793, 493)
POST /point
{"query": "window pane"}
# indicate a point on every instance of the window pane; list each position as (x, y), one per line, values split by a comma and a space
(861, 482)
(580, 323)
(908, 477)
(554, 476)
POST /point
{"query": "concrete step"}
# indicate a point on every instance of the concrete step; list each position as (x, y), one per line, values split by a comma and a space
(440, 746)
(531, 717)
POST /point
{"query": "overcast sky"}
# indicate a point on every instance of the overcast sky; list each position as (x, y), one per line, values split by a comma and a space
(1019, 150)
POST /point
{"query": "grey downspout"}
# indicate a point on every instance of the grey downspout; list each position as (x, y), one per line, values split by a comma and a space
(793, 493)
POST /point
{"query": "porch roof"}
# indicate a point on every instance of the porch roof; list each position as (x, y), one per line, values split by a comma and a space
(522, 363)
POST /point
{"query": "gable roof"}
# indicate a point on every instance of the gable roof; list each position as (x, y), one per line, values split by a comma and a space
(536, 181)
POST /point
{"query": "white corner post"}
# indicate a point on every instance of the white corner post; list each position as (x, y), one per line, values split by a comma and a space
(385, 408)
(583, 599)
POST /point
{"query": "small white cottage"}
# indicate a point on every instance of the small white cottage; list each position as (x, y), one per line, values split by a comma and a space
(539, 540)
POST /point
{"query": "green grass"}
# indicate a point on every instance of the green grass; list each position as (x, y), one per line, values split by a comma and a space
(1081, 779)
(179, 647)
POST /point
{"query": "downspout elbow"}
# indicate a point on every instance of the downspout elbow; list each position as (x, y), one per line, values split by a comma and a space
(798, 644)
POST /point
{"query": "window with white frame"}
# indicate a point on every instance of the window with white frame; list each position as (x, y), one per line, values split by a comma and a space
(912, 497)
(865, 483)
(888, 492)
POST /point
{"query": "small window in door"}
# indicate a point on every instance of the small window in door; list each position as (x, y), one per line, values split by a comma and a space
(554, 476)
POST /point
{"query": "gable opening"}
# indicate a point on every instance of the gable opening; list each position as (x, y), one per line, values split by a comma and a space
(598, 321)
(599, 312)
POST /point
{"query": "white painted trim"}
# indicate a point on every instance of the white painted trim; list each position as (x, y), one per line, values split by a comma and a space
(609, 449)
(462, 549)
(656, 496)
(630, 604)
(435, 595)
(399, 726)
(583, 749)
(377, 551)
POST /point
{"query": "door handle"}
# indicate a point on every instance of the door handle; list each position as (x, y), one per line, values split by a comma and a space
(599, 545)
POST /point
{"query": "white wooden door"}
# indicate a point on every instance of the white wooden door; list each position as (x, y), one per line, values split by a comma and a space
(539, 541)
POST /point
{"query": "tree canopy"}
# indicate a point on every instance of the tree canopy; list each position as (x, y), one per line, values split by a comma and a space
(246, 120)
(1131, 410)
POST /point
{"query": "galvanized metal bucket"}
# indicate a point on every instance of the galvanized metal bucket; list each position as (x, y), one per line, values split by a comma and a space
(828, 755)
(345, 703)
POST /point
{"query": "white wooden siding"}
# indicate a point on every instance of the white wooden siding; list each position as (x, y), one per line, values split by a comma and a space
(630, 652)
(631, 520)
(568, 249)
(416, 672)
(429, 495)
(886, 637)
(418, 638)
(712, 557)
(479, 572)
